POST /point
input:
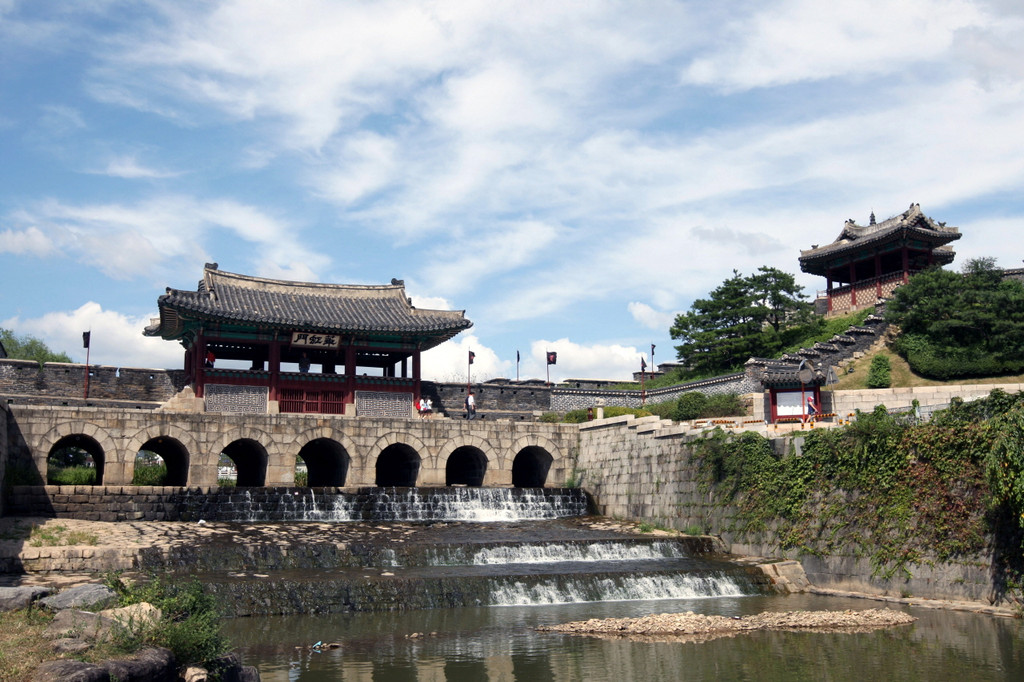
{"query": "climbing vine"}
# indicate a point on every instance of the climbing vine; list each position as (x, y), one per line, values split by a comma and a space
(894, 490)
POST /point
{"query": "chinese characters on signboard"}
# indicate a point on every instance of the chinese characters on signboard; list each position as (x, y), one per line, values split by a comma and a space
(311, 340)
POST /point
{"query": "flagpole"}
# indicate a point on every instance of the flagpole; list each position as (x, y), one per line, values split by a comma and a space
(86, 339)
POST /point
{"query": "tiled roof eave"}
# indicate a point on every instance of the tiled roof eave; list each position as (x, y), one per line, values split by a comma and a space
(829, 250)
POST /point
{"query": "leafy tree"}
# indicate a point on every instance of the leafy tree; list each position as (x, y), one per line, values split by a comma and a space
(880, 372)
(956, 325)
(29, 348)
(742, 318)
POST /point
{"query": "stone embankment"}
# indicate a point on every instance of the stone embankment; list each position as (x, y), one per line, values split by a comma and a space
(697, 627)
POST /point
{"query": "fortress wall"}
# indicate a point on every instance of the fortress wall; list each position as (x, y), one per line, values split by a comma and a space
(845, 403)
(121, 433)
(641, 470)
(59, 379)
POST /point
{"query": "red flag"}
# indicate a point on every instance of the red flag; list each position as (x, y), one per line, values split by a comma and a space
(471, 356)
(552, 357)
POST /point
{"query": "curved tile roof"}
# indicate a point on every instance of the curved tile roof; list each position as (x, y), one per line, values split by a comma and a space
(912, 221)
(328, 308)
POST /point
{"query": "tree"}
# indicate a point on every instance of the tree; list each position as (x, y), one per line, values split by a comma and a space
(29, 348)
(744, 317)
(956, 325)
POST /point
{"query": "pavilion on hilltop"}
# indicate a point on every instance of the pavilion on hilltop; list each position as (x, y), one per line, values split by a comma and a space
(263, 345)
(866, 262)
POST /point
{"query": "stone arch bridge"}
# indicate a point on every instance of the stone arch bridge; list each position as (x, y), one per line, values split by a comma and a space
(338, 451)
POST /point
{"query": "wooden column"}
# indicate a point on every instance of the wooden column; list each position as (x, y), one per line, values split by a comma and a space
(274, 367)
(906, 264)
(416, 374)
(350, 375)
(878, 276)
(853, 285)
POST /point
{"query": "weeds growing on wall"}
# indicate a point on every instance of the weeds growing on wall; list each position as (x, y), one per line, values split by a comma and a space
(899, 491)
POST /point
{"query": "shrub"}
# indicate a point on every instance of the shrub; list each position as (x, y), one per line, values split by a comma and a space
(72, 476)
(880, 372)
(150, 474)
(302, 478)
(690, 406)
(190, 626)
(723, 405)
(550, 418)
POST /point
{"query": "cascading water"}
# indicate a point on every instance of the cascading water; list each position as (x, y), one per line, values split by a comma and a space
(255, 505)
(555, 553)
(566, 590)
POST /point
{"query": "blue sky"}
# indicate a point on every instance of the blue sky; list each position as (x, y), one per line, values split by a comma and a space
(571, 174)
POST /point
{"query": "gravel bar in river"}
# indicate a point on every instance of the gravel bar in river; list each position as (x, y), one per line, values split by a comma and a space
(691, 626)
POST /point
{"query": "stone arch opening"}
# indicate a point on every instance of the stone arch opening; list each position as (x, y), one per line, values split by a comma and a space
(75, 459)
(166, 451)
(397, 466)
(327, 463)
(250, 459)
(530, 467)
(466, 466)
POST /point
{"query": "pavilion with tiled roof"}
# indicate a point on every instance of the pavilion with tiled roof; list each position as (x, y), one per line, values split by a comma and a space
(866, 262)
(300, 346)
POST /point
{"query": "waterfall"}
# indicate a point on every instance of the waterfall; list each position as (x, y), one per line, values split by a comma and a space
(571, 589)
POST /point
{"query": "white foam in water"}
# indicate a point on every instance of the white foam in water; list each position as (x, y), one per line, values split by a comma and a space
(625, 588)
(556, 553)
(473, 504)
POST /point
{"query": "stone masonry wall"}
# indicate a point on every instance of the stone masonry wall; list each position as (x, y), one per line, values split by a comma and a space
(565, 399)
(59, 379)
(643, 470)
(3, 455)
(845, 403)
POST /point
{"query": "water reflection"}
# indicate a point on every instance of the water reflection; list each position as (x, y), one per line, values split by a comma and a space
(500, 643)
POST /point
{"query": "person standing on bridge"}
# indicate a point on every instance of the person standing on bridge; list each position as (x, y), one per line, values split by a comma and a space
(470, 406)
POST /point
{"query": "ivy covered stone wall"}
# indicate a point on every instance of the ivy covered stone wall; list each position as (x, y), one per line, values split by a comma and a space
(643, 471)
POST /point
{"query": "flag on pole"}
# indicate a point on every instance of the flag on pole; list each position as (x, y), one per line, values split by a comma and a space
(643, 363)
(85, 339)
(517, 356)
(552, 357)
(471, 356)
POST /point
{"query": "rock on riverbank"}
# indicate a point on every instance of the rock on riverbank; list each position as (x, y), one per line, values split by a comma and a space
(692, 626)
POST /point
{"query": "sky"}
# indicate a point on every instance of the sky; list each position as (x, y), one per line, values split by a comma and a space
(573, 175)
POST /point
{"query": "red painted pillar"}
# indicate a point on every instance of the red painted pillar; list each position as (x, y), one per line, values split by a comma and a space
(878, 276)
(350, 376)
(200, 369)
(853, 285)
(416, 374)
(274, 367)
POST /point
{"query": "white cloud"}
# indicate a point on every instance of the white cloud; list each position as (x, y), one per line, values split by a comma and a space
(450, 361)
(129, 167)
(651, 318)
(582, 361)
(160, 232)
(800, 40)
(30, 241)
(116, 339)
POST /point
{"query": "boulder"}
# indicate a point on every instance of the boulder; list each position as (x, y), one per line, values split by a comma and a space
(70, 671)
(14, 598)
(153, 664)
(70, 645)
(82, 624)
(133, 617)
(87, 596)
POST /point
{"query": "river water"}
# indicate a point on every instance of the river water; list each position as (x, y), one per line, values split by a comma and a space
(518, 576)
(501, 643)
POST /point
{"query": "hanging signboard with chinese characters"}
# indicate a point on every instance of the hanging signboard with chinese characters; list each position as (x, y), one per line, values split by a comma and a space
(313, 340)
